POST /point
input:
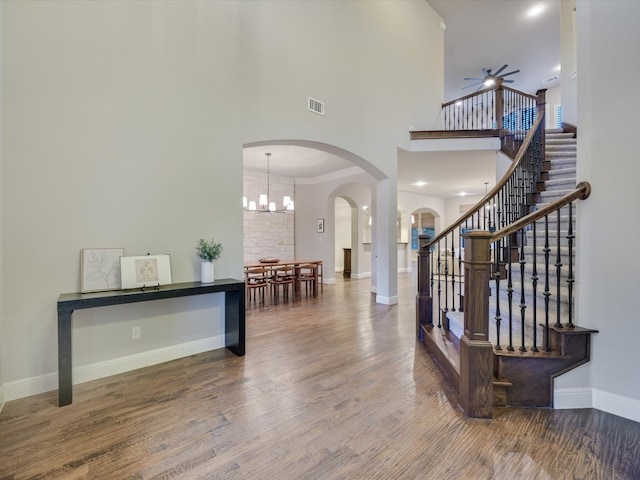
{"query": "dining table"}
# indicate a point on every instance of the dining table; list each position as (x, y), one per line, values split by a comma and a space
(271, 264)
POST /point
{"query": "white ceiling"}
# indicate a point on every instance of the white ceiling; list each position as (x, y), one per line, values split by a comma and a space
(479, 34)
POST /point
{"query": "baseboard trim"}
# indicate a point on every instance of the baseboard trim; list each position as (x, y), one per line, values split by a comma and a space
(329, 281)
(358, 276)
(616, 404)
(387, 300)
(566, 398)
(586, 397)
(44, 383)
(1, 397)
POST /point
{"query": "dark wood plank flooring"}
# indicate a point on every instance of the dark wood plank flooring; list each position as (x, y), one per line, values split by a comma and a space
(330, 388)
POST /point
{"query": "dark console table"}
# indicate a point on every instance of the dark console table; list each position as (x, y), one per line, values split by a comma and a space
(68, 302)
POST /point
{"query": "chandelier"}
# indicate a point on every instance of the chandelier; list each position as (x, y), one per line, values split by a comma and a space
(265, 202)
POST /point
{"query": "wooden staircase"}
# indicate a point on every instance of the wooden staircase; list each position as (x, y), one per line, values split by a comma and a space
(523, 375)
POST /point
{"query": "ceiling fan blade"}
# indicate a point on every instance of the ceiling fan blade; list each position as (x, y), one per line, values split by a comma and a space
(473, 84)
(507, 81)
(474, 78)
(510, 73)
(501, 68)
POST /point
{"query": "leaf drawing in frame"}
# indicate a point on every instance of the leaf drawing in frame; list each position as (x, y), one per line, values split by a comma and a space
(101, 269)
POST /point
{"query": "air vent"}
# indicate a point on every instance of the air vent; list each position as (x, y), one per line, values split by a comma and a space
(316, 106)
(550, 79)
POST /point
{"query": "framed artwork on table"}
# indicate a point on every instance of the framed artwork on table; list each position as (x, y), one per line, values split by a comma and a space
(100, 269)
(320, 225)
(145, 271)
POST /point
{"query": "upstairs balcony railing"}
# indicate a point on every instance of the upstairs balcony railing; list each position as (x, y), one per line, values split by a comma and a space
(509, 111)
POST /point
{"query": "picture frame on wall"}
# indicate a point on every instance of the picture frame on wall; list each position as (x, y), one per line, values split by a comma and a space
(145, 271)
(100, 269)
(320, 225)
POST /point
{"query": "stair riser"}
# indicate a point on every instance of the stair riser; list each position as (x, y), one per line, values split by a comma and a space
(554, 184)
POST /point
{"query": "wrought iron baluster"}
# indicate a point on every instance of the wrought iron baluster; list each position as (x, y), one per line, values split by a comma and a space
(497, 254)
(534, 281)
(460, 298)
(446, 277)
(570, 280)
(439, 287)
(510, 295)
(558, 272)
(523, 305)
(453, 273)
(547, 292)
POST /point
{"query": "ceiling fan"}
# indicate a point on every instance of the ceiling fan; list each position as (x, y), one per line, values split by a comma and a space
(489, 78)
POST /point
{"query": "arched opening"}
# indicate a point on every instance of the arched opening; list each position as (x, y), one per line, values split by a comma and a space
(319, 173)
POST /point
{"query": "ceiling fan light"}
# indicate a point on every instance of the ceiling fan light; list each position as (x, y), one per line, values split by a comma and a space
(489, 82)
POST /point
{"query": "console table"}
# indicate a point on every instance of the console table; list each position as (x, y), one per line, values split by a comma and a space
(68, 302)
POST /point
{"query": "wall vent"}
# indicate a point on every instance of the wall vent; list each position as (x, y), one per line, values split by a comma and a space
(316, 106)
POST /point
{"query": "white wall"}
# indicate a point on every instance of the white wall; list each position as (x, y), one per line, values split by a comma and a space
(342, 237)
(568, 75)
(123, 125)
(607, 279)
(552, 98)
(2, 332)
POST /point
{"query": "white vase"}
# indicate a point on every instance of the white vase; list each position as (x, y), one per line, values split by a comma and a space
(206, 272)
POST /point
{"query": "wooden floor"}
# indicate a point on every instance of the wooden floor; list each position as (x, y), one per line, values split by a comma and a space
(333, 388)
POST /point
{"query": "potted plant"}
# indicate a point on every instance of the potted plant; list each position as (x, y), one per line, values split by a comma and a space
(208, 251)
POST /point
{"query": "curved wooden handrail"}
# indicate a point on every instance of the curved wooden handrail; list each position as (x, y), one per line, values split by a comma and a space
(497, 187)
(488, 89)
(513, 90)
(471, 95)
(582, 192)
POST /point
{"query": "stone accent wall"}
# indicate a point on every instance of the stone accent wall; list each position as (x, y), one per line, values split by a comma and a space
(268, 234)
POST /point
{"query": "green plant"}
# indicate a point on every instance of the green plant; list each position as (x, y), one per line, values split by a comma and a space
(208, 250)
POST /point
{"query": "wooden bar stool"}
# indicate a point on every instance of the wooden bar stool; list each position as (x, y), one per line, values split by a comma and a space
(308, 274)
(256, 282)
(281, 277)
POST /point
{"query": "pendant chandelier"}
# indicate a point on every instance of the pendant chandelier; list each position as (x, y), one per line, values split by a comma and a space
(266, 204)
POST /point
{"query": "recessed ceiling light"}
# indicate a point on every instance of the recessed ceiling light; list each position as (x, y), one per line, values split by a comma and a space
(420, 184)
(535, 11)
(463, 194)
(558, 68)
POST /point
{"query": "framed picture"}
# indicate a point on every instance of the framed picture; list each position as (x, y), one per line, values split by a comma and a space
(145, 271)
(320, 225)
(100, 269)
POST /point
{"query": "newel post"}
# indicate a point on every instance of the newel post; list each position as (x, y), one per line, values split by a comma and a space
(499, 113)
(541, 105)
(424, 302)
(476, 351)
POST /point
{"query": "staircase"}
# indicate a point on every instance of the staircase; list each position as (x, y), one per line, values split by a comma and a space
(523, 374)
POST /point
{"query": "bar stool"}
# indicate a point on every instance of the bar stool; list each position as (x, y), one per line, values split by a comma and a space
(256, 282)
(308, 274)
(281, 277)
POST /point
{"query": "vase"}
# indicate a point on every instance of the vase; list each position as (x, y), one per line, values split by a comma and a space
(206, 272)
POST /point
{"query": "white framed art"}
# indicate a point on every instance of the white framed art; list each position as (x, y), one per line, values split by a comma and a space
(100, 269)
(145, 271)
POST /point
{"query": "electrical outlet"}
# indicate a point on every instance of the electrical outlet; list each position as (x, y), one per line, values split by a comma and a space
(136, 333)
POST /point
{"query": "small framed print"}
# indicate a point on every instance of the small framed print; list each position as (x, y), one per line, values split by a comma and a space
(320, 225)
(145, 271)
(100, 269)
